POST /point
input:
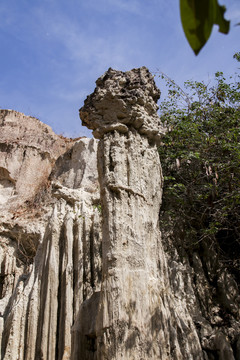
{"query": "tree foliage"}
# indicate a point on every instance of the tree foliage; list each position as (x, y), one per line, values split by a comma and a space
(200, 156)
(198, 18)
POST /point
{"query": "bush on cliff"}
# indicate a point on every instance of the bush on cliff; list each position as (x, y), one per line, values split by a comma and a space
(200, 156)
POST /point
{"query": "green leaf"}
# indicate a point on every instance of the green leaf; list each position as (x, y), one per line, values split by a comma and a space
(198, 18)
(218, 11)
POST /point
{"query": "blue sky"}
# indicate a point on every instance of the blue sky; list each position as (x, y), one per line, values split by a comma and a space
(52, 51)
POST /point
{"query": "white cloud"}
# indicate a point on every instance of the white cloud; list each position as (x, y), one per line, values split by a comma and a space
(84, 44)
(109, 6)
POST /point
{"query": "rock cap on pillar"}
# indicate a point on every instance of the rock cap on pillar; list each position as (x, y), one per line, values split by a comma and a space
(123, 101)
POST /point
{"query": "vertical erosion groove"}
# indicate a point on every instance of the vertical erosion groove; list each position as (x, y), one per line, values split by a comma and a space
(2, 278)
(75, 260)
(128, 171)
(111, 165)
(92, 257)
(85, 261)
(60, 297)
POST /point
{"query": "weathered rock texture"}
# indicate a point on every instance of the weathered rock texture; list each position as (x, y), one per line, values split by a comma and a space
(49, 238)
(85, 271)
(138, 317)
(28, 150)
(155, 302)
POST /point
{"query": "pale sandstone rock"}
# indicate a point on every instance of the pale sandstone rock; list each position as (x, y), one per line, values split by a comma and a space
(123, 100)
(89, 278)
(41, 294)
(28, 150)
(153, 304)
(138, 317)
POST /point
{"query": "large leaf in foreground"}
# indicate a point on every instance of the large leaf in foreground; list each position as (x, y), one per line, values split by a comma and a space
(198, 18)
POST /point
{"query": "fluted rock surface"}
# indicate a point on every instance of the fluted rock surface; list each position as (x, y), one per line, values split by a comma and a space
(138, 316)
(157, 301)
(85, 272)
(50, 239)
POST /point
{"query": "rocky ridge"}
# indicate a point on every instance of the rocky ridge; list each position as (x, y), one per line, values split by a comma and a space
(85, 270)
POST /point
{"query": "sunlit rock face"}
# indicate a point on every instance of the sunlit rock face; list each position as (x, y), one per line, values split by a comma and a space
(156, 301)
(123, 100)
(137, 317)
(85, 272)
(50, 237)
(28, 150)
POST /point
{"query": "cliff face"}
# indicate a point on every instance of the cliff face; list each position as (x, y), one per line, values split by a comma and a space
(49, 236)
(85, 271)
(28, 151)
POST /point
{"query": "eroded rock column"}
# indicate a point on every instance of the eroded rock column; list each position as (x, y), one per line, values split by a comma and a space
(122, 113)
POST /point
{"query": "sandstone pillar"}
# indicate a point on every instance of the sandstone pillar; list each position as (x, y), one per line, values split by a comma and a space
(122, 113)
